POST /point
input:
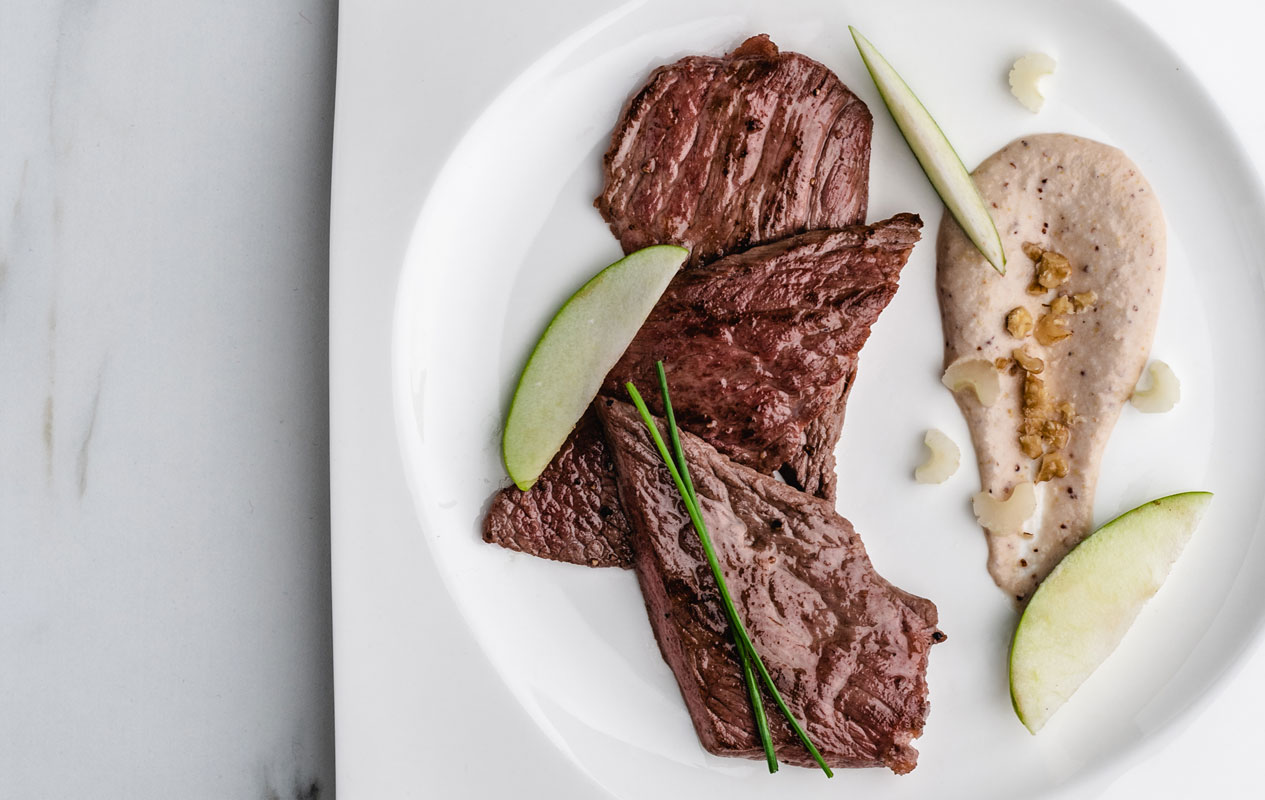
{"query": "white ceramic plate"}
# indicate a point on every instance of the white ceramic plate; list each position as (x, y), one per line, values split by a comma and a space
(506, 230)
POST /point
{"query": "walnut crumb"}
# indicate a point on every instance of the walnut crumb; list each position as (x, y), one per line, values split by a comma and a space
(1030, 445)
(1062, 305)
(1083, 301)
(1019, 322)
(1044, 430)
(1053, 465)
(1053, 269)
(1034, 396)
(1067, 413)
(1052, 328)
(1030, 363)
(1054, 434)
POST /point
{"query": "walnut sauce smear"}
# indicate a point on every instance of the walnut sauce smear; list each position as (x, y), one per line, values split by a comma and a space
(1089, 325)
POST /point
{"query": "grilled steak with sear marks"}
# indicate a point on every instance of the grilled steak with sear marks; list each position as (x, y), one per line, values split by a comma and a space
(572, 513)
(717, 154)
(761, 349)
(761, 344)
(847, 650)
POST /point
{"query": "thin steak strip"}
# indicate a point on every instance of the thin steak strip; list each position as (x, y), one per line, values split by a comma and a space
(717, 154)
(761, 349)
(847, 650)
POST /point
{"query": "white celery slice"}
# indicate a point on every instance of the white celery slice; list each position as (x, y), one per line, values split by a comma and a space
(977, 374)
(1025, 79)
(943, 458)
(1163, 392)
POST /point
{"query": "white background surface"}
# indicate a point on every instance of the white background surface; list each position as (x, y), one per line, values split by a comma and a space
(164, 551)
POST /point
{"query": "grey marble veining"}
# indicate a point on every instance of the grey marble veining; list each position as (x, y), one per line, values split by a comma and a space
(164, 550)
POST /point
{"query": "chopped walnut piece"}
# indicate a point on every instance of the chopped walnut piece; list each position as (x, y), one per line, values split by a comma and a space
(1034, 396)
(1030, 445)
(1083, 301)
(1053, 269)
(1062, 305)
(1053, 465)
(1067, 413)
(1019, 322)
(1030, 363)
(1001, 363)
(1054, 434)
(1042, 431)
(1033, 251)
(1052, 328)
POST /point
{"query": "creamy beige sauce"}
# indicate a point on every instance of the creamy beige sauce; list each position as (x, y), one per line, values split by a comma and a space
(1089, 202)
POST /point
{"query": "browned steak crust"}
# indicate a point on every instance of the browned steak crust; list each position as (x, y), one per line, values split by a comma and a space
(717, 154)
(572, 513)
(847, 650)
(761, 344)
(761, 350)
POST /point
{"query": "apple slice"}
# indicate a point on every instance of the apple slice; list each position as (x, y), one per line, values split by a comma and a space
(580, 345)
(937, 157)
(1083, 609)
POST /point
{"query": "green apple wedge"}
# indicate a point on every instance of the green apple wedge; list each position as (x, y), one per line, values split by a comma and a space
(935, 155)
(580, 345)
(1083, 609)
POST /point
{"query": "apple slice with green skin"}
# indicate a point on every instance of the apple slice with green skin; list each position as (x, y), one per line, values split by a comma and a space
(935, 155)
(1083, 609)
(581, 344)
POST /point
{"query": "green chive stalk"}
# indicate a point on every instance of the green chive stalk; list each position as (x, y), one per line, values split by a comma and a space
(700, 527)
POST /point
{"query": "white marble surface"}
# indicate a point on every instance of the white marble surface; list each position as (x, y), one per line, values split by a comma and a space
(164, 550)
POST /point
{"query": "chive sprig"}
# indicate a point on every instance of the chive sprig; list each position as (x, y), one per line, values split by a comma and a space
(748, 675)
(679, 470)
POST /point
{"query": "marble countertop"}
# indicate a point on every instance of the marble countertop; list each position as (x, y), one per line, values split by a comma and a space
(164, 522)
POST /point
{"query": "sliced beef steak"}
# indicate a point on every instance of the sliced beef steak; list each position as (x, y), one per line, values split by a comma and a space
(761, 350)
(717, 154)
(847, 650)
(572, 513)
(760, 345)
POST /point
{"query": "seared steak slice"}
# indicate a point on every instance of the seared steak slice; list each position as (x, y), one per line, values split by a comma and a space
(761, 349)
(847, 650)
(717, 154)
(761, 344)
(572, 513)
(812, 467)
